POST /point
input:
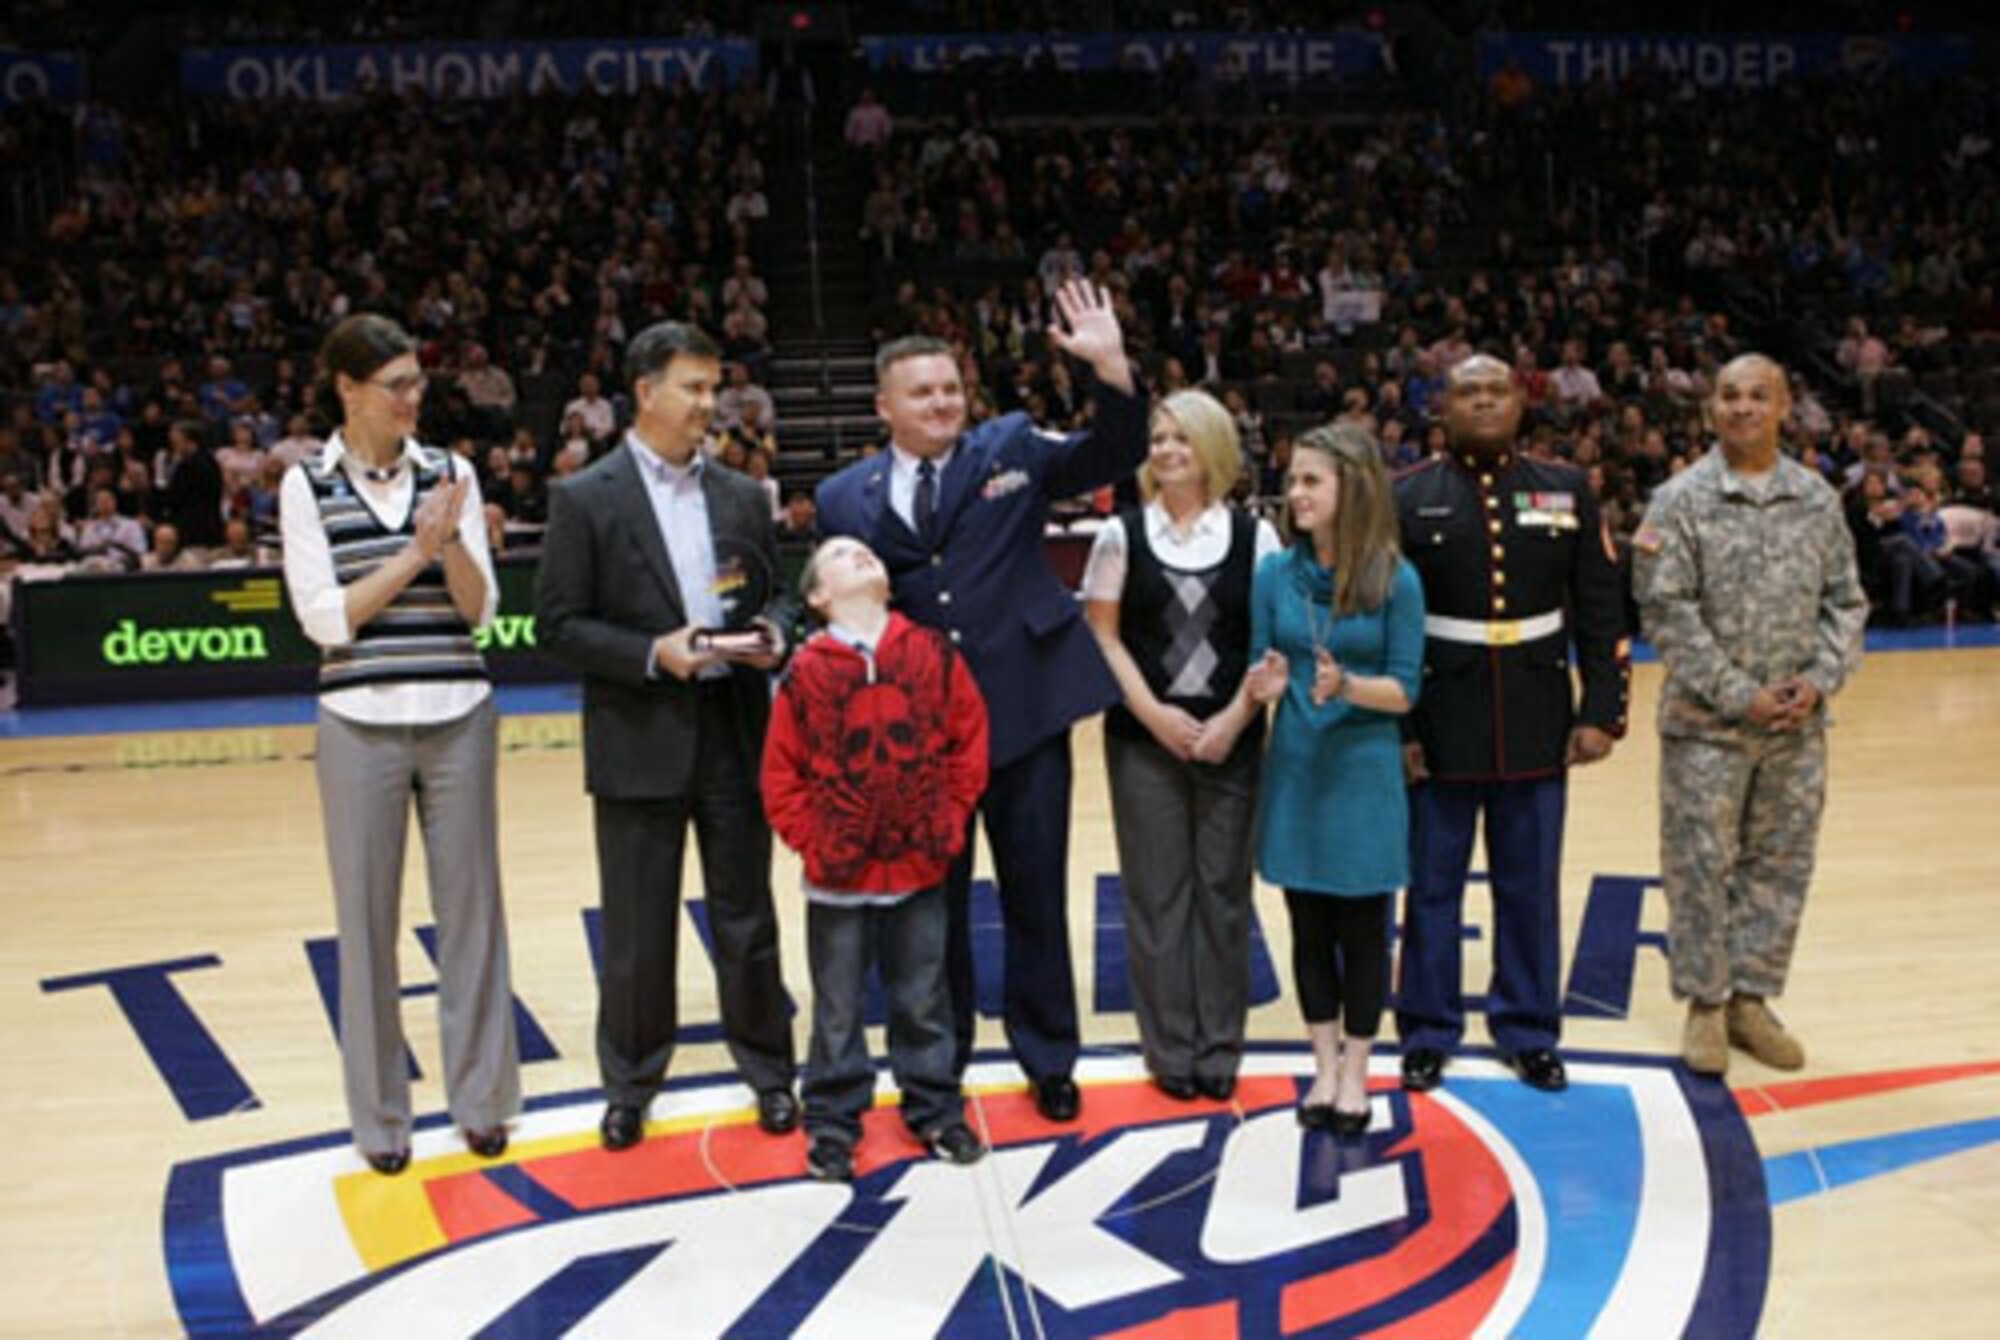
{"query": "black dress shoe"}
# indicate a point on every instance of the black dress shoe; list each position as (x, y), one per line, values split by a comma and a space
(1316, 1116)
(1351, 1123)
(1057, 1098)
(1221, 1088)
(488, 1144)
(1423, 1069)
(1177, 1087)
(957, 1143)
(1539, 1068)
(389, 1163)
(777, 1111)
(828, 1160)
(623, 1126)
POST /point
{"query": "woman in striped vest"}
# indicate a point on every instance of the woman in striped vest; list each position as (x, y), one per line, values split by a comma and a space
(387, 565)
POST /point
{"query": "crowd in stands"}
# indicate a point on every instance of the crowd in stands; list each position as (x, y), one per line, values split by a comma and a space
(1856, 219)
(69, 23)
(180, 295)
(1307, 272)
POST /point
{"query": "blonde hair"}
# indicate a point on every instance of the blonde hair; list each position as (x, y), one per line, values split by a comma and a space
(1211, 432)
(1365, 543)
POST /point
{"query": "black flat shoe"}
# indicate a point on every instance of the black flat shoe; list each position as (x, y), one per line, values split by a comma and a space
(1423, 1069)
(1539, 1068)
(389, 1163)
(488, 1144)
(622, 1127)
(1351, 1123)
(1220, 1088)
(1316, 1116)
(777, 1111)
(1057, 1098)
(1177, 1087)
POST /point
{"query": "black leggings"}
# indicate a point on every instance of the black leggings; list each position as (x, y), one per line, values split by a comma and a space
(1340, 958)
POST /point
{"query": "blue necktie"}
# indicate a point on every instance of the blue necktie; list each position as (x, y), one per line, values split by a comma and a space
(925, 508)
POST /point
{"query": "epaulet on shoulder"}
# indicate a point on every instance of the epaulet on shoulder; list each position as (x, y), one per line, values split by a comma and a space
(1412, 471)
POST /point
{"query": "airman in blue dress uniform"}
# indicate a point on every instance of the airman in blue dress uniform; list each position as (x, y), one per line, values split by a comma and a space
(958, 518)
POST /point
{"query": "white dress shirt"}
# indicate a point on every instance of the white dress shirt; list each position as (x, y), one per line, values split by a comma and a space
(320, 601)
(681, 509)
(1194, 547)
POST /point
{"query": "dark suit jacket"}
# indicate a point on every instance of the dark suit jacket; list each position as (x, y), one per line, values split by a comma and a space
(987, 585)
(606, 589)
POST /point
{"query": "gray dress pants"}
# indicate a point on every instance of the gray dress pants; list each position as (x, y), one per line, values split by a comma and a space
(369, 776)
(1184, 837)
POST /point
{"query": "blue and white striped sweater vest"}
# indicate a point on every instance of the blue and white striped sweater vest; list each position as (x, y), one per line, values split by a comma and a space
(418, 636)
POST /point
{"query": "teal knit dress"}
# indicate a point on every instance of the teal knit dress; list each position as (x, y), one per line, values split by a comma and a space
(1333, 816)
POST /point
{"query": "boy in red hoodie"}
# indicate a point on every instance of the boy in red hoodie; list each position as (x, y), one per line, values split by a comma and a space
(875, 757)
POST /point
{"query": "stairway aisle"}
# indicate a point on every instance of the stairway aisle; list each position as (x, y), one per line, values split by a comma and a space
(822, 374)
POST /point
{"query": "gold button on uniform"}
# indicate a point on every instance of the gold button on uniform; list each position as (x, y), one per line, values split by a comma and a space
(1499, 551)
(1494, 525)
(1499, 605)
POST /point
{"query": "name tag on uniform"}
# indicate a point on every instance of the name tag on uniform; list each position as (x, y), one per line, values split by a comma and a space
(1434, 511)
(1553, 520)
(1555, 510)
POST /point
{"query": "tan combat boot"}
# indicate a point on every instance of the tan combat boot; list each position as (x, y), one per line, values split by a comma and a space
(1756, 1030)
(1705, 1040)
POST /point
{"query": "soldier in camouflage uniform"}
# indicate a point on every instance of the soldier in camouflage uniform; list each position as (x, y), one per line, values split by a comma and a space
(1745, 576)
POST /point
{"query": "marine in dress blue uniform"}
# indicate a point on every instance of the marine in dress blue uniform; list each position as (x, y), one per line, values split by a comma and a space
(958, 518)
(1516, 570)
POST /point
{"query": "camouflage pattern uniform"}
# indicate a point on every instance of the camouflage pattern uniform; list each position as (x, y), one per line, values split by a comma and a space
(1742, 582)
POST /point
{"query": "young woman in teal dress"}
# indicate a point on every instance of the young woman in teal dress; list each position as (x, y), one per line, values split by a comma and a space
(1337, 641)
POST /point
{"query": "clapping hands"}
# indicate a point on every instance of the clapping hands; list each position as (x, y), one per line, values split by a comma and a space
(436, 521)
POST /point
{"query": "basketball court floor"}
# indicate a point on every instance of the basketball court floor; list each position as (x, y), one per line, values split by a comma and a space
(179, 1163)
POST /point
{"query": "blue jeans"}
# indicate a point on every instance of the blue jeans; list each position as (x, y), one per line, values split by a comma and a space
(908, 941)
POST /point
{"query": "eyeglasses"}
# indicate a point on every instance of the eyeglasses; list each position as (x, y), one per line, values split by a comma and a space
(412, 384)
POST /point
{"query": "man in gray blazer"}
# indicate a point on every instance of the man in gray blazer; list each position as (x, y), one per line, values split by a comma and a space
(645, 551)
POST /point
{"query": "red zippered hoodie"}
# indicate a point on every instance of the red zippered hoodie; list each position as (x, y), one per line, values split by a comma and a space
(872, 763)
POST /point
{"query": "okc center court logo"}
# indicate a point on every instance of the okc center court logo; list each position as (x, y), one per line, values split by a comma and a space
(1632, 1205)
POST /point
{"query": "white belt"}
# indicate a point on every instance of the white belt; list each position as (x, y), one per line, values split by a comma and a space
(1493, 632)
